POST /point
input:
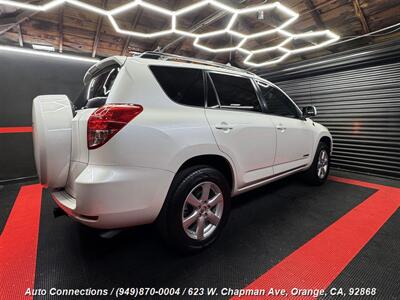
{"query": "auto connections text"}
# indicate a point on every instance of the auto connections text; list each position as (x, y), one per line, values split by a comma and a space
(198, 292)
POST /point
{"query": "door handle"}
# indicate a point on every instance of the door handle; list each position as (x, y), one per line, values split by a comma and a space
(224, 126)
(281, 128)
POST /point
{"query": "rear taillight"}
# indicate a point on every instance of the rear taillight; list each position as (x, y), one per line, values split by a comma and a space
(107, 120)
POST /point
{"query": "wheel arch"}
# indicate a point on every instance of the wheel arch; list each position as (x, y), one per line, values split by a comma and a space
(213, 160)
(327, 140)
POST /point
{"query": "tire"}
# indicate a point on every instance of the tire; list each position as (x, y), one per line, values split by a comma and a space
(178, 208)
(314, 175)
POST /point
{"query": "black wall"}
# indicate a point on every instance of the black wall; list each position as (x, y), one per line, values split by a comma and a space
(357, 95)
(22, 78)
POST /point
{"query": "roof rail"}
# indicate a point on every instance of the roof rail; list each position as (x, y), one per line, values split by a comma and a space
(179, 58)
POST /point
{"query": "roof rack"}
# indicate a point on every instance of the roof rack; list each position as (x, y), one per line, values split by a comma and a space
(179, 58)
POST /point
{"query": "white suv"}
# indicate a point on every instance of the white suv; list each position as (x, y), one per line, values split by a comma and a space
(170, 139)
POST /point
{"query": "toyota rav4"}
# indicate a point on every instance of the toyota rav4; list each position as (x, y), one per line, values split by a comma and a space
(167, 139)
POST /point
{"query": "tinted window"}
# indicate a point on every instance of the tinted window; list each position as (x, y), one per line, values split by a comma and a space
(95, 93)
(182, 85)
(235, 92)
(101, 85)
(276, 102)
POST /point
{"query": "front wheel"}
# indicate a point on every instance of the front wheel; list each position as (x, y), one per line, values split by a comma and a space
(196, 209)
(318, 173)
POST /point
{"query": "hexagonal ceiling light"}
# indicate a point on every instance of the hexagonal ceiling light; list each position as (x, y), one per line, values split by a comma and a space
(288, 18)
(325, 37)
(274, 39)
(145, 5)
(274, 9)
(232, 39)
(204, 5)
(270, 56)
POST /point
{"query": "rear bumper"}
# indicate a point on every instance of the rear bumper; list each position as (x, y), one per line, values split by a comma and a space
(115, 197)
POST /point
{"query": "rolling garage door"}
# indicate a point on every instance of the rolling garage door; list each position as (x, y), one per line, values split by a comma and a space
(361, 108)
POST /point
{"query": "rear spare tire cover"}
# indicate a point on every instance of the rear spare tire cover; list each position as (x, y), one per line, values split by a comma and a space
(52, 122)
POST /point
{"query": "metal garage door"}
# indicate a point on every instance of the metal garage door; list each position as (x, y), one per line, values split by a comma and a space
(361, 107)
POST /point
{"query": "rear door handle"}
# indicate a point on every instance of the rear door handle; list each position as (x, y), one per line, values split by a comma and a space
(224, 126)
(280, 127)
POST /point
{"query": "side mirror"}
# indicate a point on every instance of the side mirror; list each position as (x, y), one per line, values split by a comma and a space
(309, 111)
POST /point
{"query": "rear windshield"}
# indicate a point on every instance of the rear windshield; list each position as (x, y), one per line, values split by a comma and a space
(95, 93)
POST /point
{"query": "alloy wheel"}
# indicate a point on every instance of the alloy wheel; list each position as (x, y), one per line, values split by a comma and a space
(202, 210)
(323, 162)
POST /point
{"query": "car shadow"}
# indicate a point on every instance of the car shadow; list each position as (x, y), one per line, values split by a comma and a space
(266, 225)
(140, 236)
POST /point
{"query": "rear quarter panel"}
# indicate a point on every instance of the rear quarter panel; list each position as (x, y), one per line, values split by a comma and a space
(164, 135)
(158, 138)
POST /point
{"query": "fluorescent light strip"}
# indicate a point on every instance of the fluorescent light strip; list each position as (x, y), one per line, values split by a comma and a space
(266, 63)
(197, 43)
(159, 9)
(245, 51)
(53, 4)
(43, 47)
(287, 52)
(333, 38)
(231, 21)
(189, 8)
(287, 10)
(22, 5)
(123, 8)
(293, 16)
(222, 6)
(289, 36)
(45, 7)
(47, 54)
(156, 8)
(199, 5)
(139, 34)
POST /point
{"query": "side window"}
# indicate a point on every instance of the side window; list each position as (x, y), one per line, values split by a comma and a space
(182, 85)
(235, 92)
(277, 103)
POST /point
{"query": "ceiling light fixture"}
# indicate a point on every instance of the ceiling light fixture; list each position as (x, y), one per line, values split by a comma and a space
(23, 5)
(259, 9)
(47, 54)
(43, 47)
(217, 50)
(332, 37)
(285, 54)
